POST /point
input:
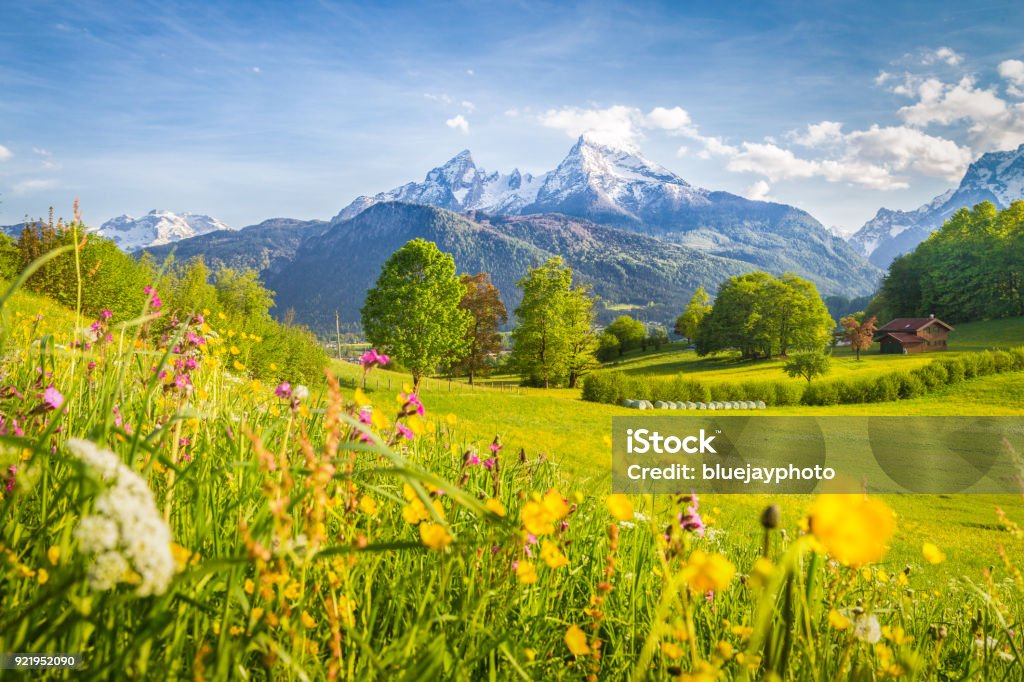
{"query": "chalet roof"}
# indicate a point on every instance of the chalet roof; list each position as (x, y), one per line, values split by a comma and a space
(903, 338)
(912, 324)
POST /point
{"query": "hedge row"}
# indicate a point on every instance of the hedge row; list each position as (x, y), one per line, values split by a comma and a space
(614, 387)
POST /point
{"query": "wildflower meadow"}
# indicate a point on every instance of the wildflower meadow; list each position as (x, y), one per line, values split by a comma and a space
(165, 515)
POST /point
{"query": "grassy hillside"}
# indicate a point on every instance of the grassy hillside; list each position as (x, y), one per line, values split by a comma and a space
(670, 360)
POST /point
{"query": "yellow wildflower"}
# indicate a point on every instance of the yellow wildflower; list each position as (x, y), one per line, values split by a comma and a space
(434, 536)
(539, 516)
(576, 640)
(234, 350)
(708, 572)
(495, 507)
(238, 366)
(620, 507)
(53, 554)
(526, 572)
(308, 621)
(368, 505)
(249, 586)
(451, 419)
(838, 620)
(932, 554)
(553, 555)
(672, 650)
(43, 576)
(273, 367)
(854, 529)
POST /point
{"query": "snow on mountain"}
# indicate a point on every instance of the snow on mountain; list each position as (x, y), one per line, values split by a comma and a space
(458, 185)
(618, 187)
(157, 228)
(997, 177)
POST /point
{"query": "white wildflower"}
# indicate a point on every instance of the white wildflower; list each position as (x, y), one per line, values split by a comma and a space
(867, 629)
(125, 533)
(300, 392)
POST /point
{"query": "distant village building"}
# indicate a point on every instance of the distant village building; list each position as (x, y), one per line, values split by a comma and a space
(913, 335)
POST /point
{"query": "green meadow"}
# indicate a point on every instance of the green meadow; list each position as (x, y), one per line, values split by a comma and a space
(577, 434)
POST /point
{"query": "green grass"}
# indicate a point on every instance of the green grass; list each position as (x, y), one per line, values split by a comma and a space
(727, 367)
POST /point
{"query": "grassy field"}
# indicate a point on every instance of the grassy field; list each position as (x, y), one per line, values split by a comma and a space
(225, 528)
(726, 367)
(577, 434)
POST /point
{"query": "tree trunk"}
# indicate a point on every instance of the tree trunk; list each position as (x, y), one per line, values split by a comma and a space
(416, 383)
(470, 377)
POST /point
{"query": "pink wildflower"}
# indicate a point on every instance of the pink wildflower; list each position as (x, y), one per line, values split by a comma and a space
(52, 398)
(105, 315)
(405, 431)
(283, 390)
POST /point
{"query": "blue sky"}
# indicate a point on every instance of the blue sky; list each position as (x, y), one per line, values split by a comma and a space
(250, 110)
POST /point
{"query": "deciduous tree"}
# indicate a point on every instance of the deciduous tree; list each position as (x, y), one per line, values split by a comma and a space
(483, 302)
(412, 313)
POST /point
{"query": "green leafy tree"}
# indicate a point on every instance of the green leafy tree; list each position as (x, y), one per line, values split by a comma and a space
(483, 302)
(580, 336)
(554, 342)
(607, 346)
(971, 268)
(412, 313)
(696, 310)
(761, 315)
(657, 336)
(808, 364)
(630, 333)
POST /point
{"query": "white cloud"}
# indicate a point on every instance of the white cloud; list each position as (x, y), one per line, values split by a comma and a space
(512, 113)
(442, 97)
(618, 125)
(901, 148)
(818, 134)
(675, 120)
(883, 77)
(758, 191)
(1012, 70)
(458, 123)
(943, 54)
(468, 106)
(993, 123)
(470, 72)
(256, 69)
(945, 103)
(32, 185)
(39, 151)
(5, 153)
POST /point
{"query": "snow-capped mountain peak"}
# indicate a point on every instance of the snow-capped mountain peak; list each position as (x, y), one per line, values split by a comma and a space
(996, 176)
(157, 227)
(458, 185)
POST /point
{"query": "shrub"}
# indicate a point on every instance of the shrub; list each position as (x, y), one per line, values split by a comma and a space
(955, 369)
(725, 392)
(853, 391)
(985, 363)
(884, 389)
(822, 393)
(910, 385)
(1001, 361)
(787, 394)
(1018, 358)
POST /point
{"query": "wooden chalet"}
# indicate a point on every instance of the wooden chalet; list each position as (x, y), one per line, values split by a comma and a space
(913, 335)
